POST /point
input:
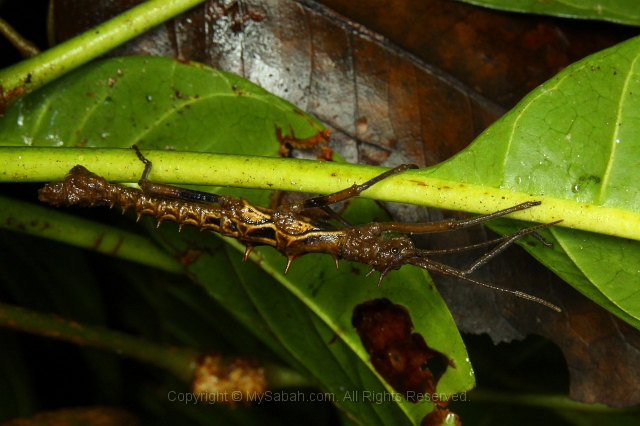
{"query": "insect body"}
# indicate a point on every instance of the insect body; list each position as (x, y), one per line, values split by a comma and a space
(286, 228)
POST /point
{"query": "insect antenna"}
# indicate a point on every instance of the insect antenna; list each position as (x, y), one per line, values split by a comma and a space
(506, 240)
(452, 224)
(452, 272)
(419, 258)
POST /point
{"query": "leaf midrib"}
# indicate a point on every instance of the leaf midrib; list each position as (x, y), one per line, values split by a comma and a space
(612, 152)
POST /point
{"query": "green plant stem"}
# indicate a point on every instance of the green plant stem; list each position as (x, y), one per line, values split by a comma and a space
(24, 46)
(414, 187)
(177, 360)
(560, 402)
(32, 73)
(49, 223)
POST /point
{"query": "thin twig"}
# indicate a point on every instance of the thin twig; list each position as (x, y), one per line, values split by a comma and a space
(26, 48)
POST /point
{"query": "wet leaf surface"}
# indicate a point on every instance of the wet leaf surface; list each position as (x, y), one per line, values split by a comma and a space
(549, 145)
(154, 102)
(573, 138)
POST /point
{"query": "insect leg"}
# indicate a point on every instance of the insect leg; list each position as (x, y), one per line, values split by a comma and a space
(506, 241)
(353, 191)
(169, 190)
(328, 210)
(452, 272)
(324, 201)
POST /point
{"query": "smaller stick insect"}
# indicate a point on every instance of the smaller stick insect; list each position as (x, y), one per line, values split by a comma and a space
(286, 228)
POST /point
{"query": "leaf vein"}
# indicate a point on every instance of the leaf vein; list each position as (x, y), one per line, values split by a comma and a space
(521, 114)
(615, 140)
(89, 114)
(171, 112)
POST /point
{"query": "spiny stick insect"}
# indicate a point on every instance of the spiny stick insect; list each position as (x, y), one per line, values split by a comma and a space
(286, 228)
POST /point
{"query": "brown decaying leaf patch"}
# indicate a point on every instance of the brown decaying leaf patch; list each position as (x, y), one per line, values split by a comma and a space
(326, 154)
(6, 97)
(400, 356)
(291, 141)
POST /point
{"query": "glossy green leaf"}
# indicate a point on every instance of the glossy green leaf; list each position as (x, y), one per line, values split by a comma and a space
(155, 103)
(305, 317)
(621, 11)
(576, 137)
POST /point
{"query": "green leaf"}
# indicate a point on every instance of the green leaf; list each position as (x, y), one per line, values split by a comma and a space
(304, 317)
(621, 11)
(574, 138)
(155, 103)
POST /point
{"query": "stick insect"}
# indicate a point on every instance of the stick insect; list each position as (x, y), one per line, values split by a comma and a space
(286, 228)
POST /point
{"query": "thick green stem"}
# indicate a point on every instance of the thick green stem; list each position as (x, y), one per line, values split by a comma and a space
(32, 73)
(48, 223)
(414, 187)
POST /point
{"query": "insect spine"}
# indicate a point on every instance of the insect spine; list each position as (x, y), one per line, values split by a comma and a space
(284, 228)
